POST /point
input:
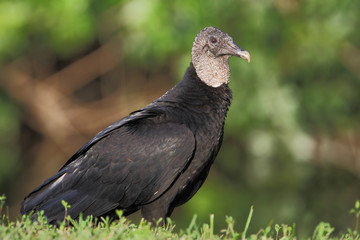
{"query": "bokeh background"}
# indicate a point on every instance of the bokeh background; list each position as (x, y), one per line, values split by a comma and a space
(292, 138)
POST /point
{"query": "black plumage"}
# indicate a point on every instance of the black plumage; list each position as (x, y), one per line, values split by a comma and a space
(156, 158)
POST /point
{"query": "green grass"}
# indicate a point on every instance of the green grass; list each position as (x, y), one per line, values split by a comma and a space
(103, 228)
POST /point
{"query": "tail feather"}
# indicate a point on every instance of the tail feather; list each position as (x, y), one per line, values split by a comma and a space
(45, 192)
(48, 198)
(54, 210)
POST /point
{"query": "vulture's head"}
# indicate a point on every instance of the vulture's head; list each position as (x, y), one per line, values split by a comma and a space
(211, 51)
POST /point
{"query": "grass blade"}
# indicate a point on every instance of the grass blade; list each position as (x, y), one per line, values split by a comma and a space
(243, 235)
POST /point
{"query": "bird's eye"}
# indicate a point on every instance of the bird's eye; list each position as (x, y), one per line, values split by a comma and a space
(213, 40)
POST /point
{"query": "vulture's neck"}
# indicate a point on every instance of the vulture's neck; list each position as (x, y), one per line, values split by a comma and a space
(213, 71)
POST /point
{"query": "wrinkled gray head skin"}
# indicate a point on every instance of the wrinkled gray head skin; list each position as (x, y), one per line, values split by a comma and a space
(211, 51)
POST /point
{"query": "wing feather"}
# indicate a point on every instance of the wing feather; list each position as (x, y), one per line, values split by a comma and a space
(131, 165)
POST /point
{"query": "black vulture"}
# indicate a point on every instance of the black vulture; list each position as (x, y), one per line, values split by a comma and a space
(156, 158)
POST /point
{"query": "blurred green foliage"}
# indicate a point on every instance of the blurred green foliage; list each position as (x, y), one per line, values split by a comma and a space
(9, 151)
(297, 89)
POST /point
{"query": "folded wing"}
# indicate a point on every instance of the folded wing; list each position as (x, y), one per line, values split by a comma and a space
(133, 164)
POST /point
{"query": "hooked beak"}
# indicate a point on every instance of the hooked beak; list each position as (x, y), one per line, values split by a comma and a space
(234, 50)
(244, 55)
